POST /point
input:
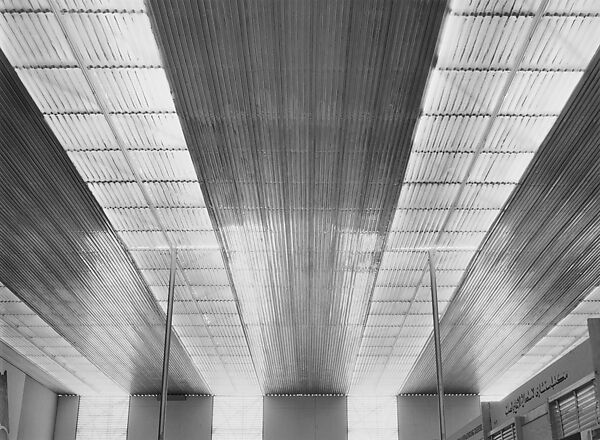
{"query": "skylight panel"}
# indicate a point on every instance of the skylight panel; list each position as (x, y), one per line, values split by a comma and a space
(34, 40)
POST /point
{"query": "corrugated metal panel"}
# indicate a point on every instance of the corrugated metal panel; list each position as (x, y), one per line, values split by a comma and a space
(55, 235)
(101, 418)
(537, 259)
(332, 88)
(494, 95)
(131, 150)
(575, 412)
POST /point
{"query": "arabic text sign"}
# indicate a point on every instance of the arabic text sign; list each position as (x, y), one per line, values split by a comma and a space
(535, 391)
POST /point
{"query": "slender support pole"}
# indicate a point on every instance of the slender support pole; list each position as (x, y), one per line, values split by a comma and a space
(438, 349)
(168, 329)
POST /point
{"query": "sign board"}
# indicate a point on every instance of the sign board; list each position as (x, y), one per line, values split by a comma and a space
(559, 375)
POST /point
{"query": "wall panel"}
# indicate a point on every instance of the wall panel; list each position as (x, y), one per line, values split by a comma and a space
(305, 418)
(418, 415)
(38, 412)
(189, 419)
(65, 426)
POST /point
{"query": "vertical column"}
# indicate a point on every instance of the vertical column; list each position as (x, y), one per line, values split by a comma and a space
(438, 350)
(594, 333)
(168, 330)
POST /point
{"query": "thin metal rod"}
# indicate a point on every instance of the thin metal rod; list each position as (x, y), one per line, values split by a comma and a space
(438, 349)
(165, 372)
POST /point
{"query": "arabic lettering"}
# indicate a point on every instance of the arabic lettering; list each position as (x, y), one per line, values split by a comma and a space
(534, 392)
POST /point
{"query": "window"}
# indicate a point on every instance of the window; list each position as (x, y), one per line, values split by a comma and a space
(575, 411)
(102, 418)
(237, 418)
(372, 418)
(509, 432)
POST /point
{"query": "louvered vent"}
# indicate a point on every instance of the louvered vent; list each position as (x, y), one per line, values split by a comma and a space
(507, 433)
(237, 418)
(102, 418)
(574, 412)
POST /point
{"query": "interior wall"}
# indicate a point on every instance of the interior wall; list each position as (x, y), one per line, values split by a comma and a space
(65, 426)
(537, 429)
(29, 406)
(305, 418)
(38, 412)
(418, 415)
(189, 419)
(559, 375)
(15, 384)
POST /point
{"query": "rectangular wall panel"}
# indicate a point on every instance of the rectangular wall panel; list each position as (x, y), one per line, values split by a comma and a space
(65, 426)
(38, 412)
(189, 419)
(418, 415)
(305, 418)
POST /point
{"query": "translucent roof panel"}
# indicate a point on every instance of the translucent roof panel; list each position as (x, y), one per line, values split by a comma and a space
(501, 79)
(94, 70)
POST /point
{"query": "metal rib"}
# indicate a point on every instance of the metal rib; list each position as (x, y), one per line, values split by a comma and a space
(299, 116)
(56, 244)
(538, 261)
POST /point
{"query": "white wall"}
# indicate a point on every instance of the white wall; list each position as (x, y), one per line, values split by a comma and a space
(418, 415)
(538, 428)
(31, 406)
(38, 412)
(16, 385)
(189, 419)
(305, 418)
(65, 426)
(535, 392)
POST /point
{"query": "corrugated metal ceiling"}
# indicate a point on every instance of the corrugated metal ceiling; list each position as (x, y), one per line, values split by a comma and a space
(299, 116)
(537, 263)
(318, 174)
(60, 255)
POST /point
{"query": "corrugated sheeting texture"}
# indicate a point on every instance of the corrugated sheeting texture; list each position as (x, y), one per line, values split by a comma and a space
(60, 255)
(538, 262)
(571, 331)
(298, 116)
(30, 336)
(502, 77)
(106, 97)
